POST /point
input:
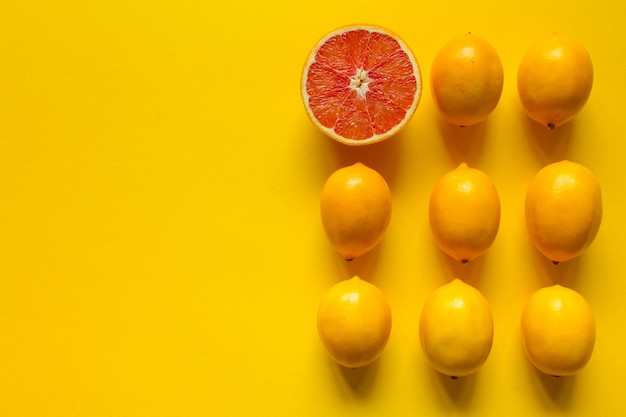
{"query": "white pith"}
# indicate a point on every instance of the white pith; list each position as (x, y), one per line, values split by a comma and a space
(360, 83)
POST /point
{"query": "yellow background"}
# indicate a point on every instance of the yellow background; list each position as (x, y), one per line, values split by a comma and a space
(161, 252)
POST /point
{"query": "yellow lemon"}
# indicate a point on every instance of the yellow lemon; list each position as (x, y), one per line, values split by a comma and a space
(355, 208)
(464, 213)
(563, 210)
(466, 80)
(554, 80)
(354, 322)
(558, 330)
(456, 329)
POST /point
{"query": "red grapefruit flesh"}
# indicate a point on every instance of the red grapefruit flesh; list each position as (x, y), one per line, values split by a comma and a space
(361, 84)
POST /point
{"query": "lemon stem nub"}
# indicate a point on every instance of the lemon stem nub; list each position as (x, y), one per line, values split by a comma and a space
(454, 377)
(555, 262)
(464, 261)
(551, 126)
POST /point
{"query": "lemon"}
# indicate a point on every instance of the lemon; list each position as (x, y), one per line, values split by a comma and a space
(354, 322)
(558, 330)
(355, 207)
(563, 210)
(464, 213)
(466, 80)
(554, 80)
(456, 329)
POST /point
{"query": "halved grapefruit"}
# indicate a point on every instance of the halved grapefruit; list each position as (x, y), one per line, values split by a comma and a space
(361, 84)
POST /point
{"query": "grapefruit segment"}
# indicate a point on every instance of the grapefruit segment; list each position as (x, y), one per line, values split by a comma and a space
(361, 84)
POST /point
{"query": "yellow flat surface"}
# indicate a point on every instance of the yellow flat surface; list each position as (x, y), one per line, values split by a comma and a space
(161, 252)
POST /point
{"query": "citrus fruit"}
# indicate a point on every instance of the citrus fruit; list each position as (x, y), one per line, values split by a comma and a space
(355, 207)
(456, 329)
(464, 213)
(354, 322)
(466, 80)
(554, 80)
(558, 330)
(563, 210)
(360, 84)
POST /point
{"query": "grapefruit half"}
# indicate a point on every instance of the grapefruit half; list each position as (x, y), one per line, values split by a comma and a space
(361, 84)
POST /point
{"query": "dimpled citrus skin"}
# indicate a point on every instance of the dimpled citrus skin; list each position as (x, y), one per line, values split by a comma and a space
(563, 210)
(464, 213)
(466, 80)
(554, 80)
(558, 330)
(355, 206)
(456, 329)
(354, 322)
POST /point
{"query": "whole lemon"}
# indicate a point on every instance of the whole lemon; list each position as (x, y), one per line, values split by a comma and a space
(356, 209)
(354, 322)
(563, 210)
(558, 330)
(456, 329)
(554, 80)
(466, 80)
(464, 213)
